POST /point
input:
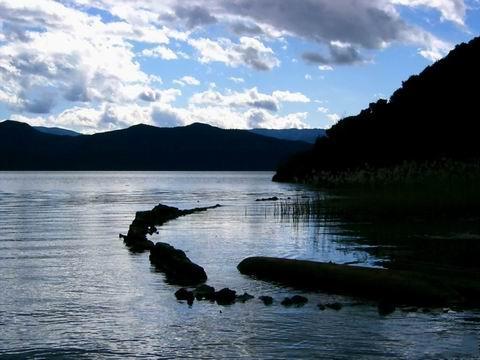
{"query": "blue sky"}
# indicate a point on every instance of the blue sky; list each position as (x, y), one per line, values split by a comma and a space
(97, 65)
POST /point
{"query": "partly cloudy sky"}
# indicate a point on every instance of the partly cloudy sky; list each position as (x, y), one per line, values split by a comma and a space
(98, 65)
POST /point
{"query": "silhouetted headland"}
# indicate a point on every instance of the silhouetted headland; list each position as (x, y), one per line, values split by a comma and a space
(432, 118)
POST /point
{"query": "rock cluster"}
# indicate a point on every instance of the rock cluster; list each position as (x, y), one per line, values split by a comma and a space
(178, 268)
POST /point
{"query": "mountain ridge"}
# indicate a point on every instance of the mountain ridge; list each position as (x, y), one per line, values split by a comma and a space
(293, 134)
(56, 131)
(142, 147)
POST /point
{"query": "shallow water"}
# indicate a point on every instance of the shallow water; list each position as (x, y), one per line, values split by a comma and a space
(70, 288)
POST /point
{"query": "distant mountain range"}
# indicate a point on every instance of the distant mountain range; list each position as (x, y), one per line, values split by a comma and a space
(433, 115)
(56, 131)
(141, 147)
(306, 135)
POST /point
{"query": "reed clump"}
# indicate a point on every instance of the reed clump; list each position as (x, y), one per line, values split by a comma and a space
(436, 222)
(442, 172)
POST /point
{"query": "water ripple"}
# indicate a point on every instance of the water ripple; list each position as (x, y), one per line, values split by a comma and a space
(70, 289)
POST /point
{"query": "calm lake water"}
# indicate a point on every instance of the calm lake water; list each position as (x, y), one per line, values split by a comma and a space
(69, 288)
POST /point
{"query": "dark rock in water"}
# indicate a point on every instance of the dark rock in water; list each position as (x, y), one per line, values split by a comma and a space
(146, 222)
(321, 307)
(273, 198)
(287, 302)
(136, 243)
(296, 300)
(225, 296)
(334, 306)
(185, 295)
(299, 300)
(245, 297)
(204, 292)
(385, 308)
(267, 300)
(178, 268)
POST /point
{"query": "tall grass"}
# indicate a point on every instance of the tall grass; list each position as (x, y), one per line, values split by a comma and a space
(435, 222)
(443, 172)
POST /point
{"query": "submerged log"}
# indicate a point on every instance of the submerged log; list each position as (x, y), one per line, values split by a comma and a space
(397, 287)
(178, 268)
(146, 222)
(273, 198)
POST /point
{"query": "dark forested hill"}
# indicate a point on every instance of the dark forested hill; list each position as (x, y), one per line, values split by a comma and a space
(435, 114)
(307, 135)
(142, 147)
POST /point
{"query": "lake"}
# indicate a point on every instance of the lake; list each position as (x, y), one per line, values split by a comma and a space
(69, 288)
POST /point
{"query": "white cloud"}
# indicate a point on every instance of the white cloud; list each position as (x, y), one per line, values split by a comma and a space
(161, 52)
(308, 77)
(239, 110)
(164, 96)
(257, 118)
(237, 80)
(187, 80)
(80, 119)
(183, 55)
(149, 95)
(333, 117)
(250, 98)
(287, 96)
(325, 68)
(248, 52)
(432, 48)
(56, 53)
(367, 24)
(450, 10)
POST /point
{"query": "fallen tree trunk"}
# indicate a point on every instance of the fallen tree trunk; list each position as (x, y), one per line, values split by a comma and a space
(399, 287)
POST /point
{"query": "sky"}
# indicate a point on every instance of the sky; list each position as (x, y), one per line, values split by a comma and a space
(101, 65)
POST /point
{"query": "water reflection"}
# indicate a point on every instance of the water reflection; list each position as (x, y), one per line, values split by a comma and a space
(435, 227)
(69, 287)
